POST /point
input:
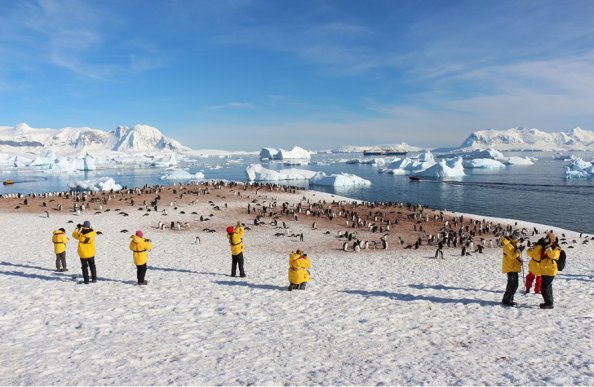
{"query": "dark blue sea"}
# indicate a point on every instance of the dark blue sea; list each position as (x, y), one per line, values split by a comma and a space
(537, 193)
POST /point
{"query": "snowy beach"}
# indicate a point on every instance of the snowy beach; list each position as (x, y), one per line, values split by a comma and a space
(391, 316)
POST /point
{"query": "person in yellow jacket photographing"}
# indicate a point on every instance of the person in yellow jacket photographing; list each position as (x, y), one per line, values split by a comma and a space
(548, 269)
(299, 275)
(511, 265)
(85, 236)
(140, 246)
(235, 237)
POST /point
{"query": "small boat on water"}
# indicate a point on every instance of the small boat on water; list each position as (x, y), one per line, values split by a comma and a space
(414, 178)
(7, 182)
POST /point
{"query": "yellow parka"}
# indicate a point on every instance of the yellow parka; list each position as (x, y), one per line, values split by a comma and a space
(548, 261)
(140, 246)
(59, 239)
(236, 240)
(86, 242)
(534, 253)
(298, 268)
(511, 262)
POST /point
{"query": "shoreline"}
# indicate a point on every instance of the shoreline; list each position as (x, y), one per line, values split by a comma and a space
(282, 211)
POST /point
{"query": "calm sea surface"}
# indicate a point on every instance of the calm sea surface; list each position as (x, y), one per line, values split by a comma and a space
(536, 193)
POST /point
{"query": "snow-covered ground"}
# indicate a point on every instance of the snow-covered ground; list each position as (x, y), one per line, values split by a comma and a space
(395, 316)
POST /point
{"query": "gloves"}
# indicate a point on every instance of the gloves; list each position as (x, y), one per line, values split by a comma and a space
(79, 225)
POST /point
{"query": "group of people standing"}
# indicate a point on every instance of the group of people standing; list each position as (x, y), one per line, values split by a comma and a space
(542, 267)
(85, 235)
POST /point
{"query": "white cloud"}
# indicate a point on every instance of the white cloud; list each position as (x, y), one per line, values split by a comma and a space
(231, 105)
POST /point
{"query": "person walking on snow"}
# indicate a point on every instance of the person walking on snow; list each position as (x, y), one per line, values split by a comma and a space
(235, 237)
(140, 245)
(85, 236)
(535, 252)
(298, 273)
(59, 240)
(548, 269)
(512, 264)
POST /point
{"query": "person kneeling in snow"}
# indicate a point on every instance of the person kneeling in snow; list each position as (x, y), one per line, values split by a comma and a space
(535, 252)
(140, 246)
(298, 273)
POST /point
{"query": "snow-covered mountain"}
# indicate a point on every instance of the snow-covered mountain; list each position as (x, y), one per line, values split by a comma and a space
(517, 139)
(140, 138)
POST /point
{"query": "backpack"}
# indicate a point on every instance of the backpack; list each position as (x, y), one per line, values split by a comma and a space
(561, 261)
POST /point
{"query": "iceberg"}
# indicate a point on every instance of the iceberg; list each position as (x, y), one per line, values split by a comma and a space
(282, 154)
(101, 184)
(165, 162)
(181, 174)
(445, 168)
(256, 172)
(339, 180)
(518, 161)
(579, 168)
(483, 164)
(407, 165)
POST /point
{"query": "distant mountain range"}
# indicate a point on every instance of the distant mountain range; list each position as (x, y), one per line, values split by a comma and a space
(21, 139)
(140, 138)
(525, 139)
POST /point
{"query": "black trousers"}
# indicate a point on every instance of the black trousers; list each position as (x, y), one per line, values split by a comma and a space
(61, 260)
(237, 260)
(547, 289)
(510, 289)
(86, 263)
(140, 272)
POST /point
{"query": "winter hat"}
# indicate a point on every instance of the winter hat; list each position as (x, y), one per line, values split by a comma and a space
(139, 233)
(230, 230)
(86, 224)
(516, 235)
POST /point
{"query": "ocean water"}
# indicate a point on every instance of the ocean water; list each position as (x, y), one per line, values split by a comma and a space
(536, 193)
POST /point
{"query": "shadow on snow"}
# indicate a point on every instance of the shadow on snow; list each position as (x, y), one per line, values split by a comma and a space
(251, 285)
(412, 297)
(442, 287)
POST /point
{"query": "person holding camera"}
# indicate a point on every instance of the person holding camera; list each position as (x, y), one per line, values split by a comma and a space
(85, 236)
(140, 245)
(548, 269)
(512, 264)
(235, 237)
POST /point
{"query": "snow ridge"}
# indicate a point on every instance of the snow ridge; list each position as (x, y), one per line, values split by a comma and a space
(530, 139)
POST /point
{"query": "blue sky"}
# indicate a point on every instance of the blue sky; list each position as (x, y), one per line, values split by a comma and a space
(244, 74)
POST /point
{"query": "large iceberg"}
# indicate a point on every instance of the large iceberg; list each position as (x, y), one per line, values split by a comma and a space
(256, 172)
(339, 180)
(100, 184)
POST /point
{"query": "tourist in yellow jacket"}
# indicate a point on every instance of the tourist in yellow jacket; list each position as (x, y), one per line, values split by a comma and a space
(512, 264)
(235, 237)
(298, 273)
(548, 269)
(59, 239)
(140, 246)
(85, 236)
(535, 253)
